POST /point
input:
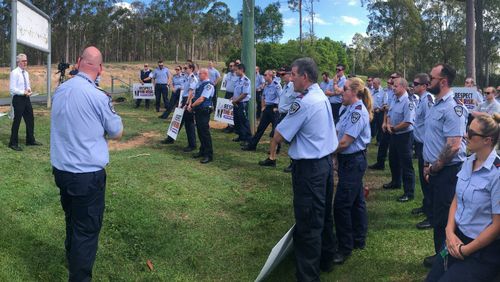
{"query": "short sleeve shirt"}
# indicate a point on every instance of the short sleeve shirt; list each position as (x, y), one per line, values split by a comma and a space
(402, 110)
(287, 97)
(243, 87)
(355, 122)
(489, 107)
(160, 75)
(423, 107)
(272, 93)
(189, 84)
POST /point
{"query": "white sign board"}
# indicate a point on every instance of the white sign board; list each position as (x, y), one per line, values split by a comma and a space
(143, 91)
(278, 253)
(175, 124)
(32, 28)
(469, 96)
(224, 111)
(224, 83)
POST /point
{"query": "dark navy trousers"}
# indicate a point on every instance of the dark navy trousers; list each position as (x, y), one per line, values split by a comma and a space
(426, 191)
(241, 123)
(188, 121)
(269, 116)
(401, 161)
(351, 221)
(202, 117)
(161, 91)
(82, 199)
(313, 238)
(483, 265)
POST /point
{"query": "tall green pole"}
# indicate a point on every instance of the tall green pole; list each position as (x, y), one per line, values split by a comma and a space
(248, 55)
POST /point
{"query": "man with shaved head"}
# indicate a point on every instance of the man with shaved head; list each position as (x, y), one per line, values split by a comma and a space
(82, 119)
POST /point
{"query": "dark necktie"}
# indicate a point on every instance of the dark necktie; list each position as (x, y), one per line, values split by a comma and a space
(25, 84)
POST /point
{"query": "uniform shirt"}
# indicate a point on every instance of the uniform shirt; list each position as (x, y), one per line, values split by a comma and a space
(213, 74)
(189, 84)
(259, 80)
(390, 97)
(446, 118)
(287, 97)
(231, 79)
(309, 127)
(498, 99)
(178, 81)
(423, 107)
(355, 122)
(324, 85)
(277, 79)
(478, 195)
(160, 75)
(143, 74)
(272, 93)
(207, 92)
(17, 83)
(487, 107)
(337, 98)
(242, 87)
(81, 116)
(379, 98)
(402, 110)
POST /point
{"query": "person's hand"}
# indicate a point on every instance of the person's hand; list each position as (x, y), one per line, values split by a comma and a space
(189, 108)
(384, 127)
(390, 129)
(453, 244)
(262, 109)
(427, 173)
(234, 103)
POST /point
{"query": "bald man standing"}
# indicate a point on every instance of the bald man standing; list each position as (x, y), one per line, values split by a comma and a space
(81, 119)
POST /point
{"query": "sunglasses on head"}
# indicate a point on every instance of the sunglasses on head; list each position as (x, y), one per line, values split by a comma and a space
(471, 133)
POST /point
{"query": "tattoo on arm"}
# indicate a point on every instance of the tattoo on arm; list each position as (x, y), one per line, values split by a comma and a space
(449, 152)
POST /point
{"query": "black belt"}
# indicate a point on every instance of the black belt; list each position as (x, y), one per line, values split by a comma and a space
(310, 160)
(161, 83)
(272, 105)
(363, 152)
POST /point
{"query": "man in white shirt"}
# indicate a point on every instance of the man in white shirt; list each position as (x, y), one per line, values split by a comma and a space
(20, 90)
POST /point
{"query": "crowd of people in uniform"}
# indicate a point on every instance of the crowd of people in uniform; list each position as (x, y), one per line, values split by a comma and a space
(328, 127)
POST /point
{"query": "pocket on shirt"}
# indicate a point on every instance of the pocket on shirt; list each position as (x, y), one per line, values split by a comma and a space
(481, 193)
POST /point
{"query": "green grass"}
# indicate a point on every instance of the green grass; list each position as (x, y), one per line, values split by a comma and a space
(195, 222)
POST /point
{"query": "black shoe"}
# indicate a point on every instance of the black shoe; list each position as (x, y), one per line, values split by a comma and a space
(390, 186)
(163, 116)
(417, 211)
(376, 166)
(268, 162)
(35, 143)
(288, 168)
(206, 160)
(228, 130)
(429, 261)
(340, 258)
(197, 155)
(359, 246)
(167, 141)
(15, 147)
(424, 224)
(405, 198)
(248, 148)
(244, 143)
(236, 139)
(326, 267)
(188, 149)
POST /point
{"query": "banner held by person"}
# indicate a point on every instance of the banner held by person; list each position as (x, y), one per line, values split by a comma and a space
(467, 95)
(175, 124)
(224, 111)
(143, 91)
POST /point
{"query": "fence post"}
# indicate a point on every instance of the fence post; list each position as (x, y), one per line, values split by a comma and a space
(112, 85)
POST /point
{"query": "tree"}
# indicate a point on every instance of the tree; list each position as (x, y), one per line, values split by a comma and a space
(296, 6)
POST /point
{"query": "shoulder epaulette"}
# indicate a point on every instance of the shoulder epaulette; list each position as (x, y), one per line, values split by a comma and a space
(429, 97)
(358, 107)
(103, 91)
(497, 162)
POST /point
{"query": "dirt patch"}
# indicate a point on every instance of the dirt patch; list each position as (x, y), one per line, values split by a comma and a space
(4, 109)
(217, 124)
(144, 138)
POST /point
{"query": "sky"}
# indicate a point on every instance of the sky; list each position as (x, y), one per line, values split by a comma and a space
(337, 19)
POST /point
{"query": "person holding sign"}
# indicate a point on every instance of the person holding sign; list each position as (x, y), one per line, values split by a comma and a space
(144, 78)
(488, 107)
(187, 118)
(20, 90)
(202, 107)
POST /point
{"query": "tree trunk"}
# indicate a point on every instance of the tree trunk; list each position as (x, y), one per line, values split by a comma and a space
(479, 43)
(469, 40)
(192, 46)
(300, 25)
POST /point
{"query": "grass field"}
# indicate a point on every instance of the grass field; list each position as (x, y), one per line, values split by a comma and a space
(215, 222)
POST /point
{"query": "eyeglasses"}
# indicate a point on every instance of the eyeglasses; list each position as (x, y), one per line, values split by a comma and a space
(394, 77)
(369, 80)
(177, 69)
(488, 93)
(339, 70)
(471, 133)
(432, 78)
(415, 84)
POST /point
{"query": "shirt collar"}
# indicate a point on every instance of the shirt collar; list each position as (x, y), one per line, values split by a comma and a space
(405, 95)
(81, 73)
(446, 97)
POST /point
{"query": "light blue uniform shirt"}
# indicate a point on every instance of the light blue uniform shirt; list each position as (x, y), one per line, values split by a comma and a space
(208, 90)
(478, 195)
(390, 97)
(424, 104)
(259, 80)
(287, 97)
(402, 110)
(189, 84)
(446, 118)
(242, 87)
(231, 79)
(309, 127)
(379, 98)
(81, 116)
(213, 74)
(178, 81)
(337, 98)
(271, 93)
(277, 79)
(160, 75)
(355, 122)
(324, 85)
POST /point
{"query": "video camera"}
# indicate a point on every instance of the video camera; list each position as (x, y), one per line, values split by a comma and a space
(62, 67)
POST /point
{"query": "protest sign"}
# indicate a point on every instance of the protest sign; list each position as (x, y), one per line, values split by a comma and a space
(224, 111)
(175, 124)
(224, 82)
(468, 96)
(278, 253)
(143, 91)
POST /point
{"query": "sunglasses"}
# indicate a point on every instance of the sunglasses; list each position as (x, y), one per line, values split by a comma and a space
(185, 68)
(487, 93)
(369, 80)
(471, 133)
(339, 70)
(177, 69)
(394, 77)
(415, 84)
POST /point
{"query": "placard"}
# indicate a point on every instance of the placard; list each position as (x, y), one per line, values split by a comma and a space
(224, 83)
(175, 124)
(143, 91)
(469, 96)
(32, 28)
(224, 111)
